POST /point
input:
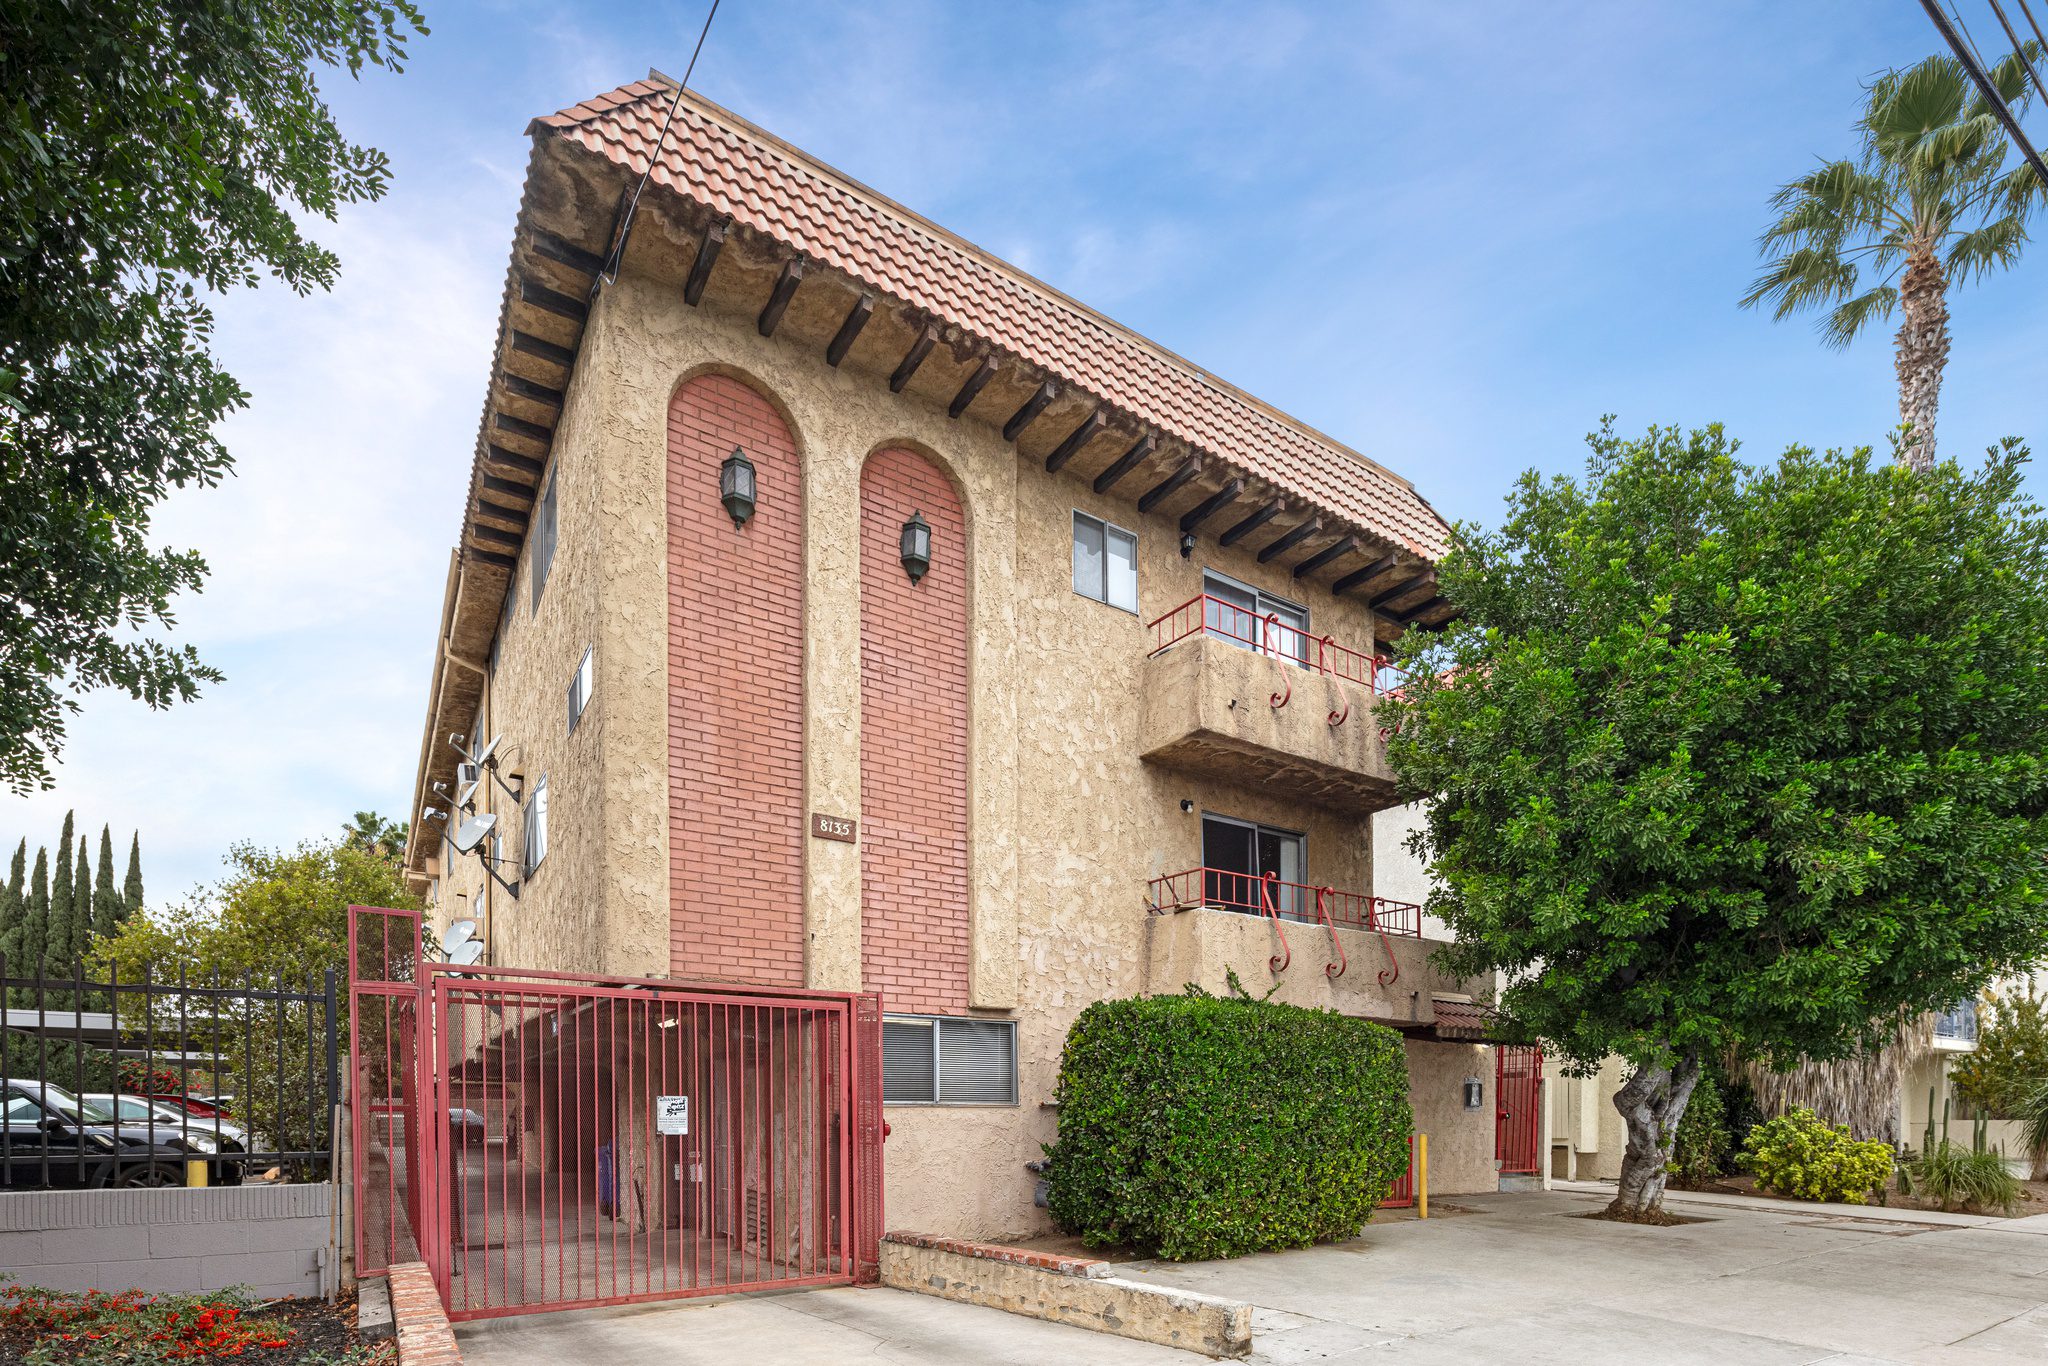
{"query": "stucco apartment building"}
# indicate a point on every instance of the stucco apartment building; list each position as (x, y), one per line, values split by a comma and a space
(852, 611)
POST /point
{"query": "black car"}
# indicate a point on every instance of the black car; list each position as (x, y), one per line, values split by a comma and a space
(53, 1140)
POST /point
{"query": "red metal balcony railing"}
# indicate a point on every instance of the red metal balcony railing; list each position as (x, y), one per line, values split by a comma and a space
(1229, 890)
(1241, 626)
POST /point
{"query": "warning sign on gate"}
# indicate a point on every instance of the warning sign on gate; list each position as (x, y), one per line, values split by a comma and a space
(671, 1114)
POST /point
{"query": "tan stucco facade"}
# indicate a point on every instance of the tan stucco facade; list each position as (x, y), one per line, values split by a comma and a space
(1068, 819)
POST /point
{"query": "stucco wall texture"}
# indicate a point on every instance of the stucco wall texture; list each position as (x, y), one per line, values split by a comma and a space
(1065, 822)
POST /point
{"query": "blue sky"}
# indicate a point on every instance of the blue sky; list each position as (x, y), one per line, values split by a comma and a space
(1451, 236)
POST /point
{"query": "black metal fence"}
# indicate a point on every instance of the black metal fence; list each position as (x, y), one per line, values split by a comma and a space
(159, 1082)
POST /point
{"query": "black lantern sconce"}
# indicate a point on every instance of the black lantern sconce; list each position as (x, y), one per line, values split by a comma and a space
(916, 546)
(736, 486)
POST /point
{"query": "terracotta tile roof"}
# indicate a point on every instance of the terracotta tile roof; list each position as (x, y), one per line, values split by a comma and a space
(726, 164)
(1462, 1019)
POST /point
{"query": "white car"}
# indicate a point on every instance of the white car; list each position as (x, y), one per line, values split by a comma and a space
(138, 1111)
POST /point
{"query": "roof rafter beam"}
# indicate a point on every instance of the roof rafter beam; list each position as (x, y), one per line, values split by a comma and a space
(1337, 550)
(973, 385)
(550, 301)
(927, 338)
(1186, 470)
(707, 257)
(778, 300)
(1126, 462)
(1292, 539)
(528, 344)
(1033, 406)
(1366, 575)
(1252, 523)
(856, 319)
(550, 247)
(1210, 506)
(1076, 439)
(1408, 617)
(519, 386)
(1401, 590)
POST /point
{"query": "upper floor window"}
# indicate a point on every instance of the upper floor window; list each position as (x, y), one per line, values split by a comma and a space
(1255, 620)
(543, 540)
(1105, 562)
(580, 686)
(535, 845)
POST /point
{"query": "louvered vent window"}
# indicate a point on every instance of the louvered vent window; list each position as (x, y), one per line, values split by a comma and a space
(944, 1060)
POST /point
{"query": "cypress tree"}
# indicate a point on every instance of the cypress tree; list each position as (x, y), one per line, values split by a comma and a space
(63, 888)
(35, 925)
(13, 906)
(106, 902)
(131, 890)
(81, 902)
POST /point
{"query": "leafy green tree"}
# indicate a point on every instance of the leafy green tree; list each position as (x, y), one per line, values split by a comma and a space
(57, 942)
(1929, 202)
(106, 902)
(1724, 758)
(279, 917)
(151, 154)
(370, 832)
(2011, 1056)
(131, 886)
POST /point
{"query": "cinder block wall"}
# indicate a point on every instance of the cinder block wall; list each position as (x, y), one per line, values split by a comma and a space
(277, 1240)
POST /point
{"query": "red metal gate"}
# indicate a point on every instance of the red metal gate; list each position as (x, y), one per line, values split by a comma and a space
(585, 1141)
(1518, 1107)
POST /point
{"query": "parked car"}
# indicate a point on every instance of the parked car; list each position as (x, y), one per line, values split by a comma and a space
(139, 1110)
(51, 1139)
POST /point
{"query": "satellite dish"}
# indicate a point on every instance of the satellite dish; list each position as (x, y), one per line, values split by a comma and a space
(467, 797)
(483, 756)
(473, 832)
(467, 952)
(456, 934)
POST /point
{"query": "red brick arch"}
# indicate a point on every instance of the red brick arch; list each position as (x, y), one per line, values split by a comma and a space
(913, 740)
(736, 692)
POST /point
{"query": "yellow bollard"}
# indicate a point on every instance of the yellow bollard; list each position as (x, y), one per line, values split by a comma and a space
(195, 1172)
(1422, 1176)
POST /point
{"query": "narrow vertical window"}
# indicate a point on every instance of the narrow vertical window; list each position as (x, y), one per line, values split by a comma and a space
(543, 542)
(536, 842)
(1105, 562)
(580, 685)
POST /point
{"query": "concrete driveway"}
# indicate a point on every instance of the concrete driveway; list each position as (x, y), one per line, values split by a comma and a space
(1519, 1280)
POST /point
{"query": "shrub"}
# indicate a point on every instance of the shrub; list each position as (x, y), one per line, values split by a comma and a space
(1959, 1178)
(1700, 1148)
(2011, 1056)
(1799, 1155)
(1195, 1126)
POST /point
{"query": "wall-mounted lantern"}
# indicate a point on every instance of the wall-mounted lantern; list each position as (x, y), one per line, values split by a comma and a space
(736, 486)
(1475, 1093)
(917, 546)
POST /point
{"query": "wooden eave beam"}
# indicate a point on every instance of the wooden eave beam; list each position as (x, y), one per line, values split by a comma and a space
(707, 257)
(485, 532)
(1186, 470)
(501, 513)
(973, 385)
(531, 345)
(1251, 523)
(778, 299)
(1408, 618)
(550, 247)
(519, 426)
(927, 338)
(1126, 462)
(506, 488)
(1366, 575)
(1210, 506)
(549, 301)
(1336, 550)
(856, 318)
(492, 557)
(519, 386)
(495, 454)
(1033, 406)
(1291, 540)
(1076, 439)
(1399, 590)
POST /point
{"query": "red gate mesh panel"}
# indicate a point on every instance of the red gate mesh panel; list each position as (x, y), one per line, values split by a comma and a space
(1518, 1102)
(1401, 1195)
(383, 955)
(605, 1144)
(867, 1083)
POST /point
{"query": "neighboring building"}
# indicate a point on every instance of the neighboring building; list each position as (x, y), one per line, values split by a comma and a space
(941, 709)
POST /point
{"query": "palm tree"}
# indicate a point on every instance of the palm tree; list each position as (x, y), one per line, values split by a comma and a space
(1928, 203)
(372, 834)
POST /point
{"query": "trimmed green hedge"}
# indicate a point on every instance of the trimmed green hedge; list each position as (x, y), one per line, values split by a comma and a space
(1200, 1127)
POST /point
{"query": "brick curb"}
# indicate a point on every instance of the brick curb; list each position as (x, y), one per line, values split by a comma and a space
(1090, 1267)
(424, 1337)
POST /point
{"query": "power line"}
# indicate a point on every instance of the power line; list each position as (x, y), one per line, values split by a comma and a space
(1986, 89)
(618, 251)
(2019, 49)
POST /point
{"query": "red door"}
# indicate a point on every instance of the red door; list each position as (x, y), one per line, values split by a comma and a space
(1518, 1107)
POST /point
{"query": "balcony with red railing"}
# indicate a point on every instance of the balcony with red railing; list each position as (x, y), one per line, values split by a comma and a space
(1229, 890)
(1251, 699)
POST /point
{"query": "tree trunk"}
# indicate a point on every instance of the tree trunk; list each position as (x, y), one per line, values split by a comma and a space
(1922, 351)
(1651, 1103)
